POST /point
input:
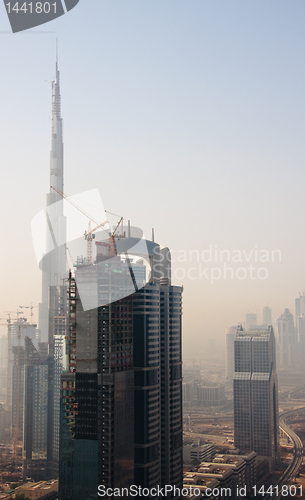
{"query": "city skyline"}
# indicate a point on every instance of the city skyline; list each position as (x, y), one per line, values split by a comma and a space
(153, 160)
(226, 155)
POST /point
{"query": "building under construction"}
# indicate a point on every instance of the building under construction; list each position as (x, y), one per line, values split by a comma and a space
(121, 400)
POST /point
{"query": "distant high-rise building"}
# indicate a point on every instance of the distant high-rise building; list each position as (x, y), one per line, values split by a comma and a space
(18, 393)
(189, 393)
(256, 392)
(230, 335)
(301, 338)
(251, 320)
(300, 305)
(267, 316)
(19, 331)
(35, 411)
(3, 368)
(300, 326)
(287, 339)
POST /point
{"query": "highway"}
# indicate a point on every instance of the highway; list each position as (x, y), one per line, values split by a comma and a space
(296, 462)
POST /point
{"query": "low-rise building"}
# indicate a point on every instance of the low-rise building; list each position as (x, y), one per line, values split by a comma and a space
(203, 452)
(227, 462)
(34, 491)
(250, 460)
(207, 471)
(195, 484)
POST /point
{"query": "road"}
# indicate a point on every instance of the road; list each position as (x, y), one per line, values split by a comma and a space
(296, 462)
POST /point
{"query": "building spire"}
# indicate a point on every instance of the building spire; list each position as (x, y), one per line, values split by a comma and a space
(56, 90)
(55, 267)
(56, 52)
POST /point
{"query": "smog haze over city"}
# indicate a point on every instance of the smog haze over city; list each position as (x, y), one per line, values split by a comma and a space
(188, 116)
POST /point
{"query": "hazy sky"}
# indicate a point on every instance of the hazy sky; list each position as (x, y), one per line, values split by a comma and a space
(189, 118)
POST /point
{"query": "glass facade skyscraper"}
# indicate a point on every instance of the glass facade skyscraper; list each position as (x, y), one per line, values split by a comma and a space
(256, 392)
(123, 423)
(36, 371)
(146, 354)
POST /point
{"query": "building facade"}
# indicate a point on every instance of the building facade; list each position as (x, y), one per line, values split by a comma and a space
(125, 360)
(287, 339)
(267, 316)
(35, 411)
(171, 385)
(230, 336)
(53, 264)
(57, 363)
(255, 393)
(147, 414)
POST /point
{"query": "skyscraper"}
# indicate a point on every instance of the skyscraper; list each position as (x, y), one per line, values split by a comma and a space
(146, 363)
(267, 316)
(128, 384)
(287, 339)
(251, 320)
(18, 393)
(35, 411)
(300, 305)
(54, 262)
(300, 326)
(102, 446)
(53, 307)
(171, 375)
(256, 392)
(58, 329)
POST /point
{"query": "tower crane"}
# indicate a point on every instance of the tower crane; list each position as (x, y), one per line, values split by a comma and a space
(89, 237)
(29, 307)
(89, 233)
(112, 247)
(112, 250)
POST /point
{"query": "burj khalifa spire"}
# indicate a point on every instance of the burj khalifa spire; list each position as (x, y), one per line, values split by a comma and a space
(54, 262)
(56, 156)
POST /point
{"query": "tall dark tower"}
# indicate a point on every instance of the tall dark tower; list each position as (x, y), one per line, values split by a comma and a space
(54, 262)
(171, 375)
(121, 403)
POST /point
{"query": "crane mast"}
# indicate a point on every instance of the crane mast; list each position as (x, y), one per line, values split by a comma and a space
(89, 233)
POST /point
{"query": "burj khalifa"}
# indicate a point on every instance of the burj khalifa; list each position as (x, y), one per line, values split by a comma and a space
(54, 261)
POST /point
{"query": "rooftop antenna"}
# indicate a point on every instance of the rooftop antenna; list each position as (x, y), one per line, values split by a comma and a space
(153, 235)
